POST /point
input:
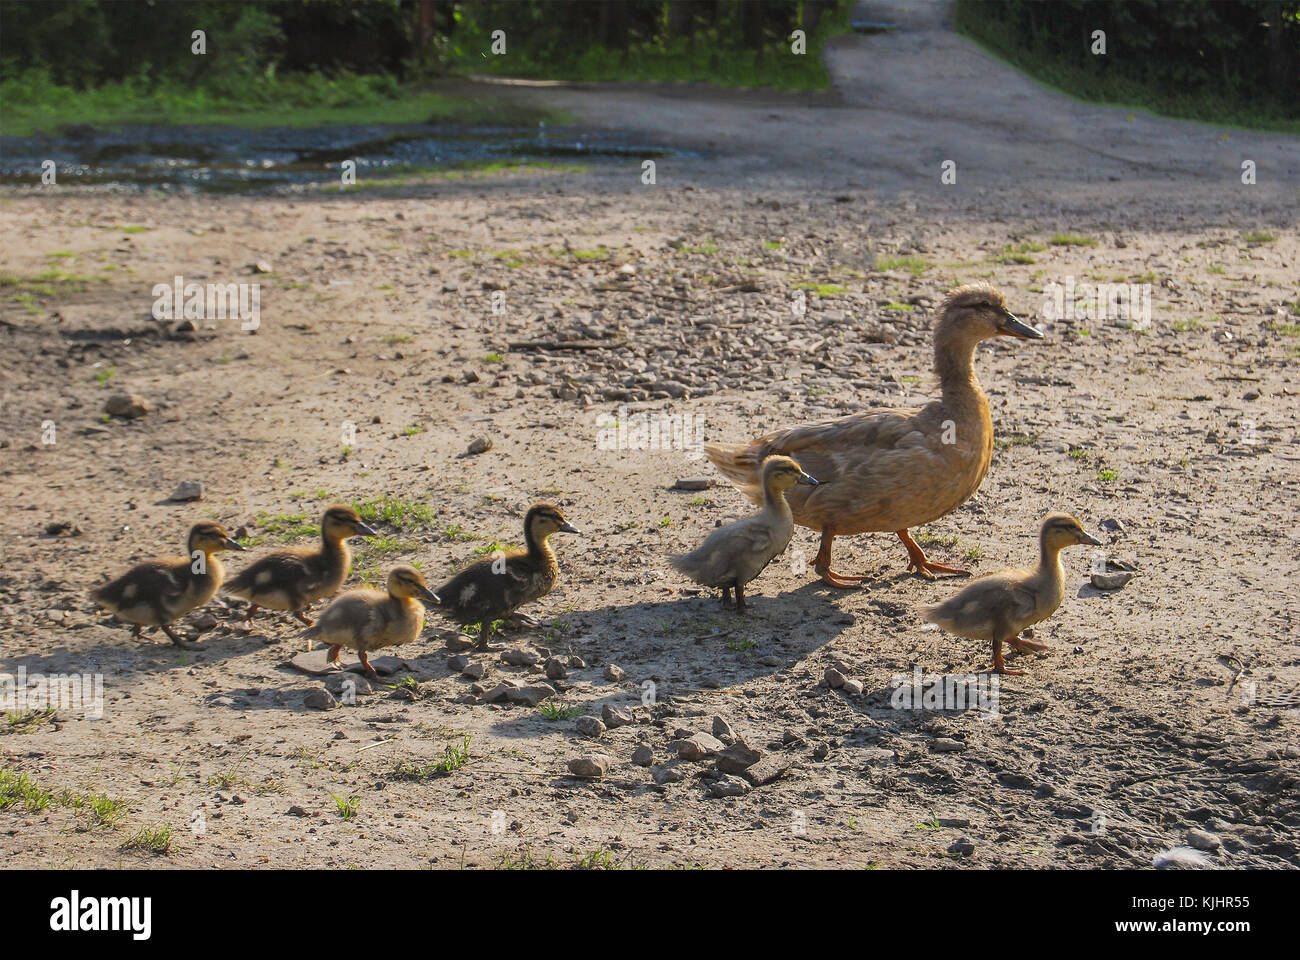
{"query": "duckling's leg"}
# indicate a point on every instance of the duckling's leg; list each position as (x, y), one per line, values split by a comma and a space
(138, 632)
(332, 655)
(365, 665)
(740, 599)
(917, 560)
(1022, 646)
(303, 618)
(178, 640)
(727, 602)
(999, 665)
(822, 564)
(248, 615)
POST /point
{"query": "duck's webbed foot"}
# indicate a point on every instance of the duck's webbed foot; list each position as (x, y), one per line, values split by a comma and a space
(302, 617)
(1020, 645)
(365, 665)
(178, 639)
(727, 602)
(999, 665)
(822, 564)
(917, 560)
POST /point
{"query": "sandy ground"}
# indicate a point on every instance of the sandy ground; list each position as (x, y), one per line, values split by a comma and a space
(1166, 708)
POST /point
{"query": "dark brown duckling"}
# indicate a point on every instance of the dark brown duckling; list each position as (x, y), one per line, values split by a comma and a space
(157, 593)
(494, 588)
(294, 579)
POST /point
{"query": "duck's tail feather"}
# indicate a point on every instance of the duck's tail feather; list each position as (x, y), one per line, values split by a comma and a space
(741, 463)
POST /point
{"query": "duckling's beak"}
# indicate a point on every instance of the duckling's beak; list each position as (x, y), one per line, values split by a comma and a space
(1090, 540)
(233, 544)
(1013, 326)
(366, 530)
(569, 528)
(808, 481)
(430, 596)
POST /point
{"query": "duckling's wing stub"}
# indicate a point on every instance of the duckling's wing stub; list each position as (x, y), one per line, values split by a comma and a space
(278, 572)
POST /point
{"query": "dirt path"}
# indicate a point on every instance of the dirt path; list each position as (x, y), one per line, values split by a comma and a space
(1166, 708)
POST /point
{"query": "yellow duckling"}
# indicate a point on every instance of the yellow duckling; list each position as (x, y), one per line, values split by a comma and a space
(296, 578)
(157, 593)
(364, 620)
(891, 469)
(737, 553)
(494, 588)
(998, 606)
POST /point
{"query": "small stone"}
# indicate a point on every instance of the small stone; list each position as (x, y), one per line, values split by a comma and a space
(262, 266)
(614, 674)
(204, 622)
(341, 685)
(643, 756)
(723, 731)
(592, 727)
(728, 786)
(667, 775)
(591, 767)
(128, 406)
(693, 483)
(478, 445)
(766, 770)
(738, 758)
(577, 663)
(187, 490)
(458, 663)
(296, 811)
(834, 679)
(616, 716)
(1292, 751)
(319, 698)
(1111, 581)
(1203, 840)
(520, 658)
(821, 751)
(555, 669)
(946, 745)
(530, 696)
(697, 747)
(962, 848)
(473, 670)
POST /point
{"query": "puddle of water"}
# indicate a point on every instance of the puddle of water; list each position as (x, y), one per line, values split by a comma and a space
(234, 160)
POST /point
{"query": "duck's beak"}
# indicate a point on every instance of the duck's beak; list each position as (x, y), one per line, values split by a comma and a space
(1090, 540)
(808, 481)
(233, 544)
(366, 530)
(569, 528)
(430, 596)
(1013, 326)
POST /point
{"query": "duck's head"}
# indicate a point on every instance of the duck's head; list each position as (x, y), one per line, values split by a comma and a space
(405, 581)
(782, 473)
(341, 522)
(543, 519)
(210, 538)
(1060, 530)
(979, 312)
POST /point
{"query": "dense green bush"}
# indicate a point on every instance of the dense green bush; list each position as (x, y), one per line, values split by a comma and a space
(1214, 60)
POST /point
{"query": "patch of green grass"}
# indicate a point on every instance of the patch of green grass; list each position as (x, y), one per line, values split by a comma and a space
(1018, 253)
(823, 289)
(1107, 474)
(1183, 326)
(19, 788)
(900, 306)
(28, 720)
(347, 806)
(1148, 277)
(286, 527)
(453, 758)
(394, 339)
(554, 710)
(524, 859)
(493, 358)
(916, 266)
(156, 839)
(1258, 236)
(395, 511)
(1015, 440)
(105, 811)
(454, 532)
(1073, 240)
(706, 249)
(772, 244)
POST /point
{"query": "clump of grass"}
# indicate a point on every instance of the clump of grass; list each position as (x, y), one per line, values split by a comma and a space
(706, 249)
(453, 758)
(823, 289)
(524, 860)
(286, 526)
(1018, 253)
(1183, 326)
(1073, 240)
(1107, 474)
(454, 532)
(554, 710)
(913, 265)
(493, 358)
(1259, 236)
(18, 787)
(395, 512)
(106, 811)
(156, 839)
(346, 806)
(28, 720)
(1015, 440)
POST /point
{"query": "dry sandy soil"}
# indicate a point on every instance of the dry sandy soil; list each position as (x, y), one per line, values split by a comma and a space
(1164, 708)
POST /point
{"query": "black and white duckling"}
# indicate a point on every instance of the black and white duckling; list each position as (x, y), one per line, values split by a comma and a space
(995, 608)
(157, 593)
(737, 553)
(364, 620)
(494, 588)
(295, 578)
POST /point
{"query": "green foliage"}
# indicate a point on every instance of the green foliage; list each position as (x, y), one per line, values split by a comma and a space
(1236, 63)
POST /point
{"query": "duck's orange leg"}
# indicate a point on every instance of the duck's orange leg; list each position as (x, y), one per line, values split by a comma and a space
(365, 664)
(332, 655)
(303, 618)
(1023, 646)
(916, 559)
(823, 565)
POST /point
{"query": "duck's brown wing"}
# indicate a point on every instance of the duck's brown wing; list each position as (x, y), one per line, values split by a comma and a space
(157, 586)
(295, 574)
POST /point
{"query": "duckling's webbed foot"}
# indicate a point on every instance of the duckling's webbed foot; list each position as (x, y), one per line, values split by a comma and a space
(523, 619)
(727, 602)
(248, 615)
(740, 599)
(332, 656)
(1025, 646)
(917, 560)
(179, 640)
(822, 564)
(999, 665)
(303, 618)
(365, 665)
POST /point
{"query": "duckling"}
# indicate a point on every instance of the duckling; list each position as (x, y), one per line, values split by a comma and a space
(998, 606)
(296, 578)
(891, 469)
(157, 593)
(737, 553)
(365, 620)
(494, 588)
